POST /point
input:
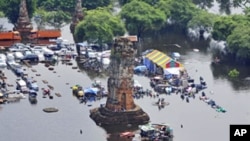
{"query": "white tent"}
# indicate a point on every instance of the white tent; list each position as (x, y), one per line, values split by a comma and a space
(174, 71)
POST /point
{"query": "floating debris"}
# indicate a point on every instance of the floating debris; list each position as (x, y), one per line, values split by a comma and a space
(51, 87)
(58, 94)
(54, 71)
(51, 68)
(45, 81)
(10, 85)
(69, 63)
(33, 70)
(47, 65)
(27, 63)
(74, 67)
(38, 74)
(50, 110)
(196, 50)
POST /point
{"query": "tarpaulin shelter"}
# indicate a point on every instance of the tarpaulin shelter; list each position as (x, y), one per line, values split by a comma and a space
(160, 59)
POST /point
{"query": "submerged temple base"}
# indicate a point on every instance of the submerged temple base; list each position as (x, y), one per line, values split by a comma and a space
(103, 116)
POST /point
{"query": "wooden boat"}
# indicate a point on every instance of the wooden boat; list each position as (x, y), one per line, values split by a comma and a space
(50, 110)
(45, 34)
(9, 35)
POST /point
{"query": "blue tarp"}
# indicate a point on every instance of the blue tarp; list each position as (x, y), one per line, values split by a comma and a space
(150, 65)
(90, 91)
(141, 68)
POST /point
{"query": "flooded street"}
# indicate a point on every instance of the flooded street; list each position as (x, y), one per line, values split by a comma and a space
(24, 121)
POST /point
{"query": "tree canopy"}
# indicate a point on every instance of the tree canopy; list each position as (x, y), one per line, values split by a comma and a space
(10, 9)
(203, 20)
(182, 12)
(140, 17)
(224, 25)
(99, 26)
(239, 41)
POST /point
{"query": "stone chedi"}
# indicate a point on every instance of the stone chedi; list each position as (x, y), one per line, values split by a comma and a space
(77, 17)
(23, 22)
(120, 107)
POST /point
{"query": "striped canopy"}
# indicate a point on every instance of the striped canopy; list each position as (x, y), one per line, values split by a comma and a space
(162, 60)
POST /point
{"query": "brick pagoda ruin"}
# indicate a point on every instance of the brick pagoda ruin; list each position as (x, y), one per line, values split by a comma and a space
(120, 108)
(24, 25)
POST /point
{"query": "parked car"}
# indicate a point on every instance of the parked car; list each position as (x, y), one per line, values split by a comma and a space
(2, 63)
(47, 52)
(21, 85)
(3, 57)
(18, 55)
(54, 47)
(19, 47)
(33, 86)
(17, 69)
(32, 57)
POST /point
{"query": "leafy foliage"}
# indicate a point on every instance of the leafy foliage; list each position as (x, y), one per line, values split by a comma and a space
(57, 19)
(93, 4)
(182, 12)
(204, 4)
(223, 27)
(239, 42)
(99, 26)
(202, 20)
(140, 17)
(233, 73)
(10, 9)
(53, 5)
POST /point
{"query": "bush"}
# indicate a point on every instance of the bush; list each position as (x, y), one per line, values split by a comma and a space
(233, 73)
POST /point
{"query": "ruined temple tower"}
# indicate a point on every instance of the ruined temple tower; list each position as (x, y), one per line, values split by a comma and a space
(120, 107)
(77, 17)
(23, 22)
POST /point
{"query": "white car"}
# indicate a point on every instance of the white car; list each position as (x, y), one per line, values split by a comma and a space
(37, 48)
(2, 56)
(18, 55)
(48, 52)
(3, 63)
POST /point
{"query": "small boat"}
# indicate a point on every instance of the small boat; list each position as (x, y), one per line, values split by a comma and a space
(154, 131)
(50, 109)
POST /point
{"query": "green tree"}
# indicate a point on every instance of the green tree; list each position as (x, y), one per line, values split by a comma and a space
(57, 19)
(93, 4)
(40, 18)
(233, 73)
(151, 2)
(164, 5)
(53, 5)
(1, 14)
(204, 4)
(224, 25)
(181, 12)
(99, 26)
(140, 17)
(203, 21)
(239, 42)
(10, 9)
